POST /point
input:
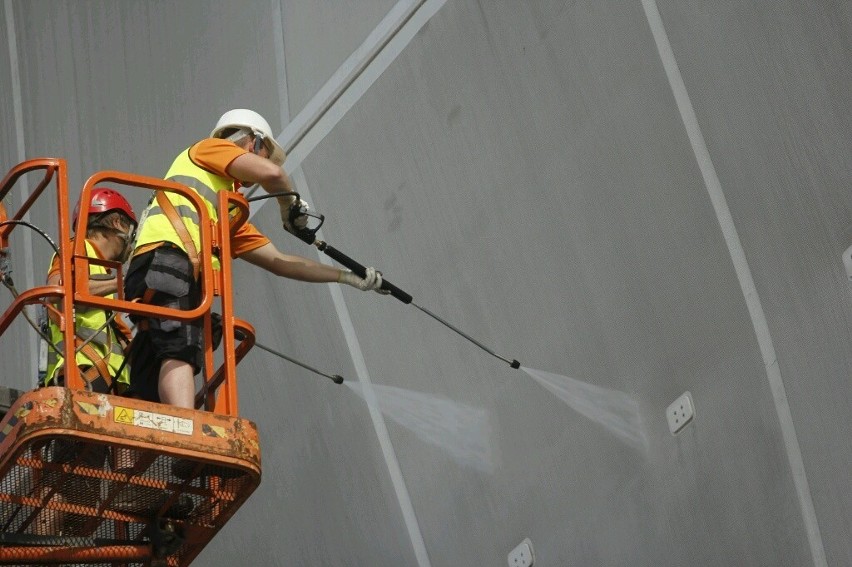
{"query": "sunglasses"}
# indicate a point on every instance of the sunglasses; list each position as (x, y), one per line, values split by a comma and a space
(261, 141)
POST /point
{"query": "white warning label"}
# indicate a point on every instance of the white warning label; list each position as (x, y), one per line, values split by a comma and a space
(162, 422)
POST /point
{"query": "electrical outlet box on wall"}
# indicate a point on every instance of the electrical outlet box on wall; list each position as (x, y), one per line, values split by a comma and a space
(847, 262)
(522, 556)
(680, 413)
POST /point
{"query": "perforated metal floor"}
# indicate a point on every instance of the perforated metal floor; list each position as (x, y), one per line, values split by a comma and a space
(98, 492)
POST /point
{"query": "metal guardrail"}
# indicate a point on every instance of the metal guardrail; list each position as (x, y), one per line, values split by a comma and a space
(7, 398)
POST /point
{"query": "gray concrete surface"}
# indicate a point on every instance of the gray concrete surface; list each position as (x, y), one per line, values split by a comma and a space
(523, 170)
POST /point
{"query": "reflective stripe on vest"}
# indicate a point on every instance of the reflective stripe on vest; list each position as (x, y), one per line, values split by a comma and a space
(99, 337)
(89, 324)
(156, 227)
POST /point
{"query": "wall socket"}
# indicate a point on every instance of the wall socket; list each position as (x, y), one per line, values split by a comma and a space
(847, 262)
(522, 556)
(680, 413)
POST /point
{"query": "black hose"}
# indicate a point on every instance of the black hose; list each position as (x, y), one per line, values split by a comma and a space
(279, 194)
(35, 228)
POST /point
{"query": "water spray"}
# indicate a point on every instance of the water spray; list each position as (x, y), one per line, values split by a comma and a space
(308, 235)
(450, 425)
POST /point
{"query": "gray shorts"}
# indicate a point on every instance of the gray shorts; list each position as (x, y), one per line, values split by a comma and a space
(168, 271)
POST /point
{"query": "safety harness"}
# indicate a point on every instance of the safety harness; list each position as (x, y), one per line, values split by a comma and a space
(89, 328)
(171, 213)
(83, 336)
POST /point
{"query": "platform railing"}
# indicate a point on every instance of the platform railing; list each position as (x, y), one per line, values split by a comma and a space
(218, 392)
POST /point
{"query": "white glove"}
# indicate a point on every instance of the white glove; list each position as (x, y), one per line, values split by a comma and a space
(300, 222)
(372, 281)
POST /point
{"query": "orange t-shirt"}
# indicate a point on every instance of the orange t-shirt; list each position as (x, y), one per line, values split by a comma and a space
(215, 155)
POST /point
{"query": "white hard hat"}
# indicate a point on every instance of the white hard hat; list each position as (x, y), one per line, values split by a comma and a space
(244, 118)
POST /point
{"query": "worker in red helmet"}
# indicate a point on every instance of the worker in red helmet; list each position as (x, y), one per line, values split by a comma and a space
(102, 341)
(110, 232)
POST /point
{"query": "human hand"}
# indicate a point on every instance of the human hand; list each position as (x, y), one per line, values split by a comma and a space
(371, 282)
(294, 216)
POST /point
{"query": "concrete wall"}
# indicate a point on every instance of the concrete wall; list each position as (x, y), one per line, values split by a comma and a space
(525, 171)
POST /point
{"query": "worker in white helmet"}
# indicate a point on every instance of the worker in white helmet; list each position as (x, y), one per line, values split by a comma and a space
(240, 151)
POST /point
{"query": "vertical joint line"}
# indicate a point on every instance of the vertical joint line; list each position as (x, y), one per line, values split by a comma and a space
(749, 290)
(15, 71)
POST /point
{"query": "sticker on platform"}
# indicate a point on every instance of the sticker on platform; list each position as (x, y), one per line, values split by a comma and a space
(24, 410)
(152, 420)
(123, 415)
(162, 422)
(214, 431)
(88, 408)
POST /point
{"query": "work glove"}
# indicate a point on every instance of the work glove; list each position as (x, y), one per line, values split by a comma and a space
(293, 216)
(372, 281)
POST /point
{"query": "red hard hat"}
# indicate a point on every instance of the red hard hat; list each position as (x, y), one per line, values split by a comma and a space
(105, 200)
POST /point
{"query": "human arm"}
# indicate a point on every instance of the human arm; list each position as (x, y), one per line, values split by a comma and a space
(250, 168)
(96, 287)
(273, 260)
(100, 287)
(290, 266)
(235, 161)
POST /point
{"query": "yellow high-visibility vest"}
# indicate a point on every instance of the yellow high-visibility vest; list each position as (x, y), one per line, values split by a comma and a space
(155, 225)
(89, 324)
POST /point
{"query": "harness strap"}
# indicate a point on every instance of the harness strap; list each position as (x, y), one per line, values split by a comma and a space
(143, 324)
(110, 341)
(99, 365)
(170, 212)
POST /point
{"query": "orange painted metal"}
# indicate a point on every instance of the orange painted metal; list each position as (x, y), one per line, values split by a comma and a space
(43, 424)
(3, 217)
(159, 435)
(23, 555)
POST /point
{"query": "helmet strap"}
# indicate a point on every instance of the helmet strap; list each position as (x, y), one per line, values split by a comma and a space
(129, 240)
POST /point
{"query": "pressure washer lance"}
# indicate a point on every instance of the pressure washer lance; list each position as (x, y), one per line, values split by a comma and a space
(308, 235)
(336, 378)
(361, 271)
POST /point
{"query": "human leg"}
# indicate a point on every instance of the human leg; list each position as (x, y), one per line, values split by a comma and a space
(177, 383)
(169, 351)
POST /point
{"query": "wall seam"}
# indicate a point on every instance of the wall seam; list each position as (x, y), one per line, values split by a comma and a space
(301, 135)
(23, 186)
(743, 271)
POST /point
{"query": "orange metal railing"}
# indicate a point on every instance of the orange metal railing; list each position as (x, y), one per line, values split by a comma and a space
(219, 392)
(30, 475)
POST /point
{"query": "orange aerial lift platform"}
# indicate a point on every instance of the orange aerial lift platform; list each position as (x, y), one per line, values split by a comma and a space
(59, 511)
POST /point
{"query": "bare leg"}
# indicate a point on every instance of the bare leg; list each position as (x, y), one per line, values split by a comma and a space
(177, 383)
